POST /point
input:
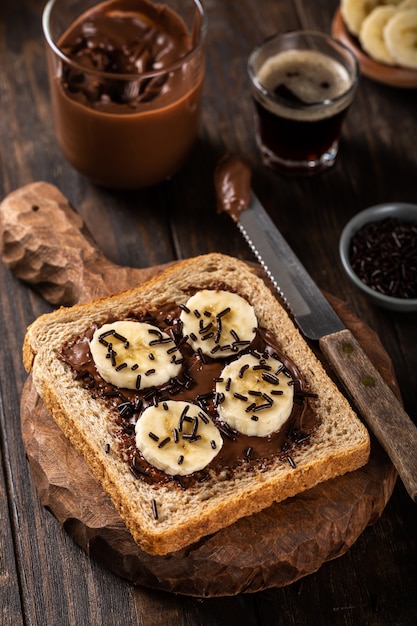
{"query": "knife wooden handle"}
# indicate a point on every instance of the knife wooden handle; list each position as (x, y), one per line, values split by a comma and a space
(377, 404)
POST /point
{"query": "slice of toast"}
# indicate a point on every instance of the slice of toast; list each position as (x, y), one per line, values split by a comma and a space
(165, 516)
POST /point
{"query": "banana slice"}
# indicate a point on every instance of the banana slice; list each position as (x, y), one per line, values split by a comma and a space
(219, 323)
(257, 395)
(134, 355)
(371, 34)
(355, 11)
(407, 4)
(177, 437)
(400, 35)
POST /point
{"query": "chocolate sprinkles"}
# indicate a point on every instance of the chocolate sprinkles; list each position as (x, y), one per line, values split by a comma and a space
(248, 452)
(270, 378)
(116, 335)
(384, 256)
(204, 329)
(126, 409)
(201, 356)
(129, 409)
(203, 417)
(183, 417)
(291, 461)
(112, 356)
(243, 370)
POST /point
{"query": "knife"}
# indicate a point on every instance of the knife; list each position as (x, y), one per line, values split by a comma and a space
(317, 321)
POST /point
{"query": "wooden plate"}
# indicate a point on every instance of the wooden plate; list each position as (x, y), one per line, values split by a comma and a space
(46, 244)
(379, 72)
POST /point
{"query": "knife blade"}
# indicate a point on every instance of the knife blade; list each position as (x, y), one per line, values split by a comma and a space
(317, 321)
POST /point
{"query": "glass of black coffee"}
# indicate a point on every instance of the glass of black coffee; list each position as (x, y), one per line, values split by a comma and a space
(302, 85)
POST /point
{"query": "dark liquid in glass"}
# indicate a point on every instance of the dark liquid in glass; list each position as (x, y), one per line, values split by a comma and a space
(295, 140)
(301, 113)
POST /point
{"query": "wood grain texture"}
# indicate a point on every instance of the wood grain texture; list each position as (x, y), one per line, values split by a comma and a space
(47, 244)
(9, 593)
(381, 410)
(49, 579)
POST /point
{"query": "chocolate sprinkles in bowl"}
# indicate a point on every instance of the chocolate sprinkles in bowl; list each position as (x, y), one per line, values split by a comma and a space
(378, 250)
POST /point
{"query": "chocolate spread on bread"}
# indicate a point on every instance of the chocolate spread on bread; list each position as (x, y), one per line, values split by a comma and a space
(195, 384)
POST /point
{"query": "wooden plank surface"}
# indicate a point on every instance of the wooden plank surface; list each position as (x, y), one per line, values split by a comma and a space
(10, 596)
(45, 578)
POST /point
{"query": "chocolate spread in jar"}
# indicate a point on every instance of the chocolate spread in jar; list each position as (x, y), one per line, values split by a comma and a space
(127, 133)
(232, 179)
(195, 384)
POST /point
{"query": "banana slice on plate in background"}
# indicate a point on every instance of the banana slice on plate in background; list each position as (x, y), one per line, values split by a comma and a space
(355, 11)
(371, 35)
(400, 35)
(257, 395)
(407, 4)
(218, 323)
(177, 437)
(134, 355)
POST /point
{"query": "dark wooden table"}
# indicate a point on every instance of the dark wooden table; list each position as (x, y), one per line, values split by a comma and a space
(47, 579)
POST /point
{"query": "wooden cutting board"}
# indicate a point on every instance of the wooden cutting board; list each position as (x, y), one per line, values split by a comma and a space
(45, 243)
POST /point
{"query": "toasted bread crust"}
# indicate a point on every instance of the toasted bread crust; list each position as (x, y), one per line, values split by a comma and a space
(340, 443)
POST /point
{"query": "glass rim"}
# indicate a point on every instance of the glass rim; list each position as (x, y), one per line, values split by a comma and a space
(202, 32)
(260, 87)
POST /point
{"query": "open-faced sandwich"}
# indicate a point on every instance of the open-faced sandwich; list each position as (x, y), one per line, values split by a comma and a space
(194, 400)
